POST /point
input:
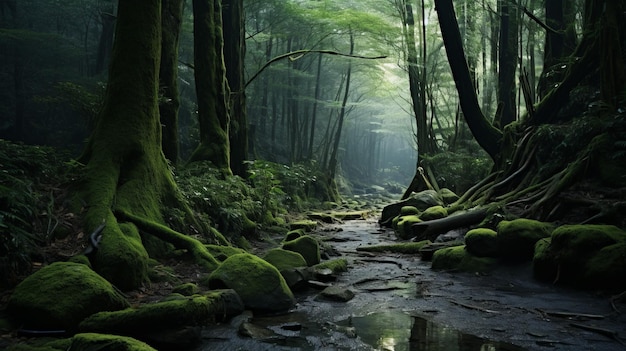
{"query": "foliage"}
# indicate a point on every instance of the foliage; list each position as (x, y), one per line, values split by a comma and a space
(458, 171)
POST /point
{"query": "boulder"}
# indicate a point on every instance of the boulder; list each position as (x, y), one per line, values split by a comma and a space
(337, 293)
(403, 228)
(434, 212)
(259, 284)
(93, 341)
(60, 296)
(482, 242)
(284, 259)
(517, 238)
(448, 196)
(458, 258)
(222, 252)
(306, 246)
(421, 201)
(409, 210)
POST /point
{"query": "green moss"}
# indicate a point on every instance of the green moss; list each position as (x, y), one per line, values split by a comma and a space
(337, 266)
(322, 217)
(306, 246)
(350, 215)
(409, 210)
(60, 295)
(458, 258)
(294, 234)
(403, 227)
(482, 242)
(284, 259)
(186, 289)
(305, 225)
(404, 248)
(448, 195)
(259, 284)
(92, 341)
(434, 212)
(607, 268)
(221, 252)
(517, 238)
(152, 317)
(82, 259)
(42, 345)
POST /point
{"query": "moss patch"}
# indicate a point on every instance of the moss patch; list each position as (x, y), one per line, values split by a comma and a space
(305, 225)
(404, 248)
(284, 259)
(337, 266)
(482, 242)
(259, 284)
(434, 212)
(409, 210)
(459, 258)
(93, 341)
(60, 295)
(306, 246)
(221, 252)
(403, 227)
(517, 238)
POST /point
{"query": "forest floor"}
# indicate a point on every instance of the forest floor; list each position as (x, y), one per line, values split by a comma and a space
(402, 304)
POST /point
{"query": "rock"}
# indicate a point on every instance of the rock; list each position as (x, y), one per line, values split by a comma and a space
(186, 289)
(322, 217)
(482, 242)
(421, 201)
(306, 225)
(517, 238)
(222, 252)
(409, 210)
(254, 331)
(336, 266)
(434, 212)
(337, 293)
(318, 285)
(284, 259)
(306, 246)
(92, 341)
(403, 248)
(164, 315)
(59, 296)
(448, 196)
(583, 256)
(294, 234)
(427, 251)
(459, 258)
(259, 284)
(296, 278)
(403, 228)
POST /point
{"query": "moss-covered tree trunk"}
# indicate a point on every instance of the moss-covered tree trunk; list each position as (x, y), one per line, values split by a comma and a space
(211, 87)
(125, 167)
(171, 17)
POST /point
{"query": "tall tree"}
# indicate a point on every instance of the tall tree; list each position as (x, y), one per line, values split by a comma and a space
(126, 171)
(171, 17)
(507, 64)
(211, 87)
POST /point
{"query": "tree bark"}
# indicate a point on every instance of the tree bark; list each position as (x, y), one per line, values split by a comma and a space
(211, 87)
(171, 17)
(507, 61)
(487, 136)
(234, 51)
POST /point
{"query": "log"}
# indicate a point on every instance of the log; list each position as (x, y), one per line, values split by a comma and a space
(430, 230)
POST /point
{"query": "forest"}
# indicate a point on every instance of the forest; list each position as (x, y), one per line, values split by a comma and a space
(201, 139)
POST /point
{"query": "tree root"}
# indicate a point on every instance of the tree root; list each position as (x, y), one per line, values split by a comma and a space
(429, 230)
(179, 240)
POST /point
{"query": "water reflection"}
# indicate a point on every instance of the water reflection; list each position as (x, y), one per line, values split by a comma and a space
(398, 331)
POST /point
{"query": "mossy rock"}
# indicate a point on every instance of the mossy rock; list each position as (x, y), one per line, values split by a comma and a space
(42, 345)
(294, 234)
(409, 210)
(186, 289)
(306, 225)
(458, 258)
(59, 296)
(517, 238)
(284, 259)
(350, 215)
(322, 217)
(259, 284)
(421, 201)
(448, 196)
(434, 212)
(607, 268)
(578, 254)
(336, 266)
(394, 222)
(221, 252)
(404, 228)
(403, 248)
(482, 242)
(93, 341)
(163, 315)
(306, 246)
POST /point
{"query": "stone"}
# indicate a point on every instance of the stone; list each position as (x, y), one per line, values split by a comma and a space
(337, 293)
(60, 296)
(448, 196)
(403, 228)
(434, 212)
(93, 341)
(284, 259)
(259, 284)
(306, 246)
(458, 258)
(421, 201)
(517, 238)
(482, 242)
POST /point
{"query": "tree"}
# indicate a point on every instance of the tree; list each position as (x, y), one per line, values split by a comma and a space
(126, 174)
(211, 87)
(507, 64)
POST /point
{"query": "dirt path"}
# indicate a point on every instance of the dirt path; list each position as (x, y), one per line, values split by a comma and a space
(401, 304)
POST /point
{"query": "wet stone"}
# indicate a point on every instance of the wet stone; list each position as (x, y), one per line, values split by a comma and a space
(337, 293)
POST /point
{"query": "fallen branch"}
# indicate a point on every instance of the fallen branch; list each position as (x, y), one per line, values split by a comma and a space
(429, 230)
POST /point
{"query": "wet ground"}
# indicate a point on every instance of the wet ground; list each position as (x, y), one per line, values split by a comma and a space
(401, 304)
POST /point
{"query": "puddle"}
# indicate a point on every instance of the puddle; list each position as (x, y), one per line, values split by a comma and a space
(398, 331)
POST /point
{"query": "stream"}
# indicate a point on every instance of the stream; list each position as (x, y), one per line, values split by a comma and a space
(401, 304)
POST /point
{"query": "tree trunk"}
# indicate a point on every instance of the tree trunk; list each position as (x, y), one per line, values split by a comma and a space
(171, 17)
(508, 61)
(125, 167)
(234, 51)
(211, 86)
(318, 80)
(487, 136)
